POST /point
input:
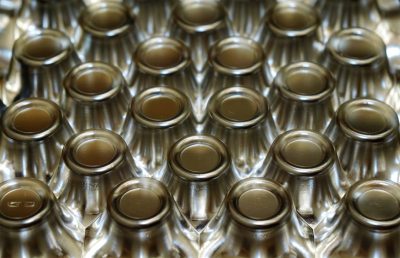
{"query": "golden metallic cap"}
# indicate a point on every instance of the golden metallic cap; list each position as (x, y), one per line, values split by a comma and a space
(258, 203)
(31, 119)
(139, 203)
(198, 158)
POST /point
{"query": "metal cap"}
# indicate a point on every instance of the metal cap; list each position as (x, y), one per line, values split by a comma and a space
(199, 16)
(367, 120)
(375, 203)
(198, 158)
(238, 107)
(292, 19)
(139, 203)
(356, 46)
(106, 19)
(236, 56)
(303, 153)
(42, 47)
(160, 107)
(94, 152)
(259, 203)
(93, 81)
(24, 202)
(161, 56)
(305, 81)
(31, 119)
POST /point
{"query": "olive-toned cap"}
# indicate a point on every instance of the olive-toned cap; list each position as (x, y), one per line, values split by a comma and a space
(356, 46)
(236, 56)
(238, 107)
(42, 47)
(139, 203)
(303, 152)
(292, 19)
(161, 56)
(199, 16)
(199, 158)
(375, 203)
(258, 203)
(93, 81)
(93, 152)
(305, 81)
(106, 19)
(367, 120)
(160, 107)
(31, 119)
(24, 202)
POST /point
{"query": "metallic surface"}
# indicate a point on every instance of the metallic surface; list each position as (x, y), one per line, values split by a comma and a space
(96, 95)
(368, 225)
(142, 229)
(199, 177)
(41, 58)
(33, 224)
(366, 137)
(93, 163)
(240, 117)
(303, 96)
(34, 131)
(157, 118)
(256, 220)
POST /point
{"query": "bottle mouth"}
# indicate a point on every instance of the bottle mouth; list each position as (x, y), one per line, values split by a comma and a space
(238, 107)
(31, 119)
(375, 203)
(199, 16)
(236, 56)
(258, 203)
(305, 81)
(356, 46)
(160, 107)
(198, 158)
(106, 19)
(292, 19)
(93, 81)
(42, 47)
(139, 203)
(94, 152)
(24, 202)
(161, 56)
(303, 152)
(367, 120)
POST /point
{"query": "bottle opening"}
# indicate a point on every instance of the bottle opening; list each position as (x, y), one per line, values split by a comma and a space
(377, 204)
(304, 153)
(43, 47)
(238, 108)
(32, 120)
(358, 47)
(140, 204)
(200, 13)
(291, 19)
(366, 121)
(305, 82)
(259, 204)
(20, 204)
(161, 57)
(161, 108)
(199, 158)
(238, 57)
(93, 82)
(94, 153)
(108, 19)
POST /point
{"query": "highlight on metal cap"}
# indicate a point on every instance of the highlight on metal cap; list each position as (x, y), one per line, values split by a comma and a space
(31, 119)
(304, 81)
(93, 81)
(94, 152)
(367, 120)
(24, 202)
(303, 152)
(199, 16)
(238, 107)
(42, 47)
(236, 56)
(160, 107)
(198, 158)
(139, 203)
(106, 19)
(292, 19)
(162, 56)
(258, 203)
(374, 203)
(357, 47)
